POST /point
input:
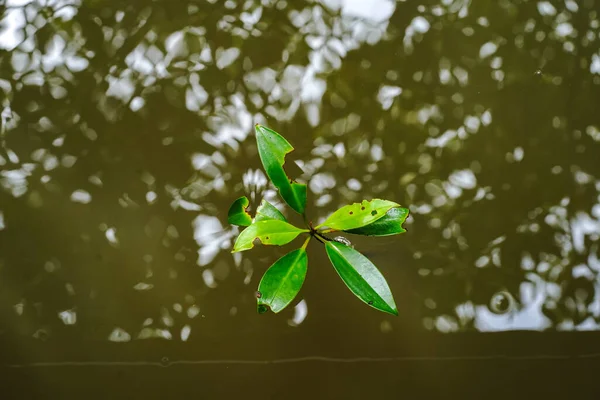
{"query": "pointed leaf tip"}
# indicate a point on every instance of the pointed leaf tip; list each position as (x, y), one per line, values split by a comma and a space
(266, 211)
(282, 281)
(272, 148)
(361, 276)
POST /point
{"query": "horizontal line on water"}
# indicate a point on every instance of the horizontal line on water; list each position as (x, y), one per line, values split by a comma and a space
(295, 360)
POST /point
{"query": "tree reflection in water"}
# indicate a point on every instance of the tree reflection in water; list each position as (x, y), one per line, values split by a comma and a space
(127, 127)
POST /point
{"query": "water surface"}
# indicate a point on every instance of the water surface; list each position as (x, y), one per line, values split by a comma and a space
(127, 130)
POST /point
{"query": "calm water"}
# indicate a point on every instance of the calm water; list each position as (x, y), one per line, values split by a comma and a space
(127, 130)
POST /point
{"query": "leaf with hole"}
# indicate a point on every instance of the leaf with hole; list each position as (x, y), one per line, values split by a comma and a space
(270, 232)
(267, 211)
(361, 277)
(272, 148)
(389, 224)
(238, 215)
(282, 281)
(358, 215)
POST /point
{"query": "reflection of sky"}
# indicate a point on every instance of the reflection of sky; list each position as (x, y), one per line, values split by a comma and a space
(526, 318)
(375, 10)
(14, 20)
(301, 88)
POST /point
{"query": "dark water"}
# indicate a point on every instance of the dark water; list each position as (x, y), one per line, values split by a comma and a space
(127, 130)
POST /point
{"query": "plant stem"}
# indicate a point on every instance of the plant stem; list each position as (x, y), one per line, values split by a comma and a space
(319, 239)
(322, 238)
(329, 230)
(318, 235)
(306, 242)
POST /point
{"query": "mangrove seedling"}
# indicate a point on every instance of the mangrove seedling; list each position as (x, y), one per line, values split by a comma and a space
(283, 280)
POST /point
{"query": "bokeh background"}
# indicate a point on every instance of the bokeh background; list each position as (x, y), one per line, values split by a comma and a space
(127, 131)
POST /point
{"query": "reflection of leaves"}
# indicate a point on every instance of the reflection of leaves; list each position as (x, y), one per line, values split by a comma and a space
(361, 277)
(430, 129)
(282, 281)
(43, 36)
(272, 148)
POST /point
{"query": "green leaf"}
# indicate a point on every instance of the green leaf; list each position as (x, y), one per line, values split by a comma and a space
(389, 224)
(267, 211)
(358, 214)
(272, 148)
(271, 232)
(361, 277)
(237, 214)
(282, 281)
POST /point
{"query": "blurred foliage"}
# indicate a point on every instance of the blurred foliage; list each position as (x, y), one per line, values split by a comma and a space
(125, 129)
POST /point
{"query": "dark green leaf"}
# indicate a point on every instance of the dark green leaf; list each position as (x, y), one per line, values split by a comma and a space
(271, 232)
(272, 148)
(390, 224)
(282, 281)
(266, 211)
(361, 277)
(358, 214)
(237, 214)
